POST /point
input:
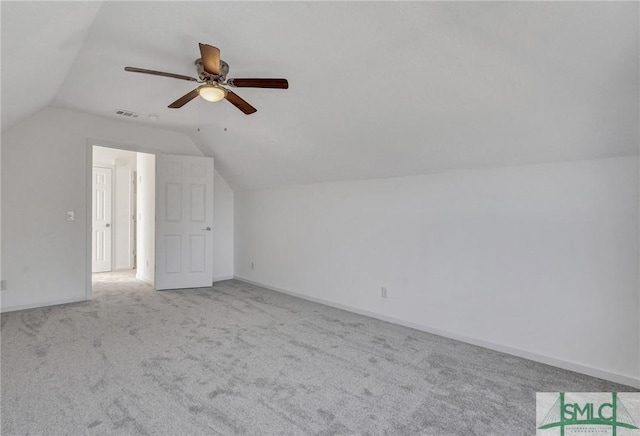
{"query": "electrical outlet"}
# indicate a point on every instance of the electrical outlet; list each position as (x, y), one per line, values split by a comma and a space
(252, 266)
(384, 292)
(3, 285)
(71, 216)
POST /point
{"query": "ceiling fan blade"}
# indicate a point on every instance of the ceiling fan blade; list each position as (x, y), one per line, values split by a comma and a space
(259, 83)
(238, 102)
(184, 99)
(210, 58)
(160, 73)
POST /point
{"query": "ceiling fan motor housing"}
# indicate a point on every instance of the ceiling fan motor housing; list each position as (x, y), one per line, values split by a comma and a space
(207, 77)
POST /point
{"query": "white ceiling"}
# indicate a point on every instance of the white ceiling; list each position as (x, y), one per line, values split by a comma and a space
(37, 52)
(377, 89)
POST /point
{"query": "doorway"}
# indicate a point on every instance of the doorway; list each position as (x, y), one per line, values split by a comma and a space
(168, 204)
(122, 216)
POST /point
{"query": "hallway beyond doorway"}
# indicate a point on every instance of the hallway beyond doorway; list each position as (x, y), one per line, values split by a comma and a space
(117, 281)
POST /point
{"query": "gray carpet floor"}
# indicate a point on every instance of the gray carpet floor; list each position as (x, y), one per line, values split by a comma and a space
(240, 359)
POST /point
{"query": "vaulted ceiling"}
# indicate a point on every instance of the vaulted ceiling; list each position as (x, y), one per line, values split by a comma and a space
(377, 89)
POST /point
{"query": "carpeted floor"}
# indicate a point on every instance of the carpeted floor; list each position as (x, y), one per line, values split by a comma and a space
(239, 359)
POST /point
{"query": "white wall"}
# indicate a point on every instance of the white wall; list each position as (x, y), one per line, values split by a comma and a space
(146, 210)
(541, 261)
(222, 230)
(1, 277)
(44, 174)
(124, 164)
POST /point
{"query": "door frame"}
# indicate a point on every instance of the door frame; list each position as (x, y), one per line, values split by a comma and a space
(113, 224)
(89, 198)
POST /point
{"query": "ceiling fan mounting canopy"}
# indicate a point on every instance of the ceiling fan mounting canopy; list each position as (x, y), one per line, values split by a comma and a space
(212, 72)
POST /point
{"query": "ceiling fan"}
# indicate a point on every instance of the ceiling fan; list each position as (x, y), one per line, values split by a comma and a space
(212, 73)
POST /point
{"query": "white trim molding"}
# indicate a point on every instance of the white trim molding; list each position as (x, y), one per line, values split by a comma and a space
(563, 364)
(43, 304)
(144, 278)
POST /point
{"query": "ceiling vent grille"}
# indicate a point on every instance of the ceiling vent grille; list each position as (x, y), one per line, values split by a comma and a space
(126, 114)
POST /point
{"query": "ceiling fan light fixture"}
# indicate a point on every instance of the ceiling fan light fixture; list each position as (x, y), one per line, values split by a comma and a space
(212, 93)
(212, 72)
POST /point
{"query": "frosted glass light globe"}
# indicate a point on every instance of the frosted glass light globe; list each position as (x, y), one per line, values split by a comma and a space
(212, 92)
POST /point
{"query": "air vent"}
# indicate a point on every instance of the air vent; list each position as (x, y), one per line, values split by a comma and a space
(126, 114)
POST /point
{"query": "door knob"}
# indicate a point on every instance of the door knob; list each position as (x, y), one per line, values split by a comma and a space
(208, 229)
(107, 225)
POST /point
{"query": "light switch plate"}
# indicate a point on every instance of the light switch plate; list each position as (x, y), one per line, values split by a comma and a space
(71, 216)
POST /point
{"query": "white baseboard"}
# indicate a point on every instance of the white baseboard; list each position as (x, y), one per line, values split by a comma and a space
(144, 278)
(221, 278)
(571, 366)
(43, 304)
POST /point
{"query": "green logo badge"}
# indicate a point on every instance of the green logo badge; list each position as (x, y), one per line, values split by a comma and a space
(587, 413)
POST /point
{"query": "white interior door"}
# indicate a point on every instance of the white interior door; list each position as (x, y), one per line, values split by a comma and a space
(184, 220)
(101, 214)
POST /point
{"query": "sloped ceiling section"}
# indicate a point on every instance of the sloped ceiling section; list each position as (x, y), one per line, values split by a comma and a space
(40, 41)
(377, 89)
